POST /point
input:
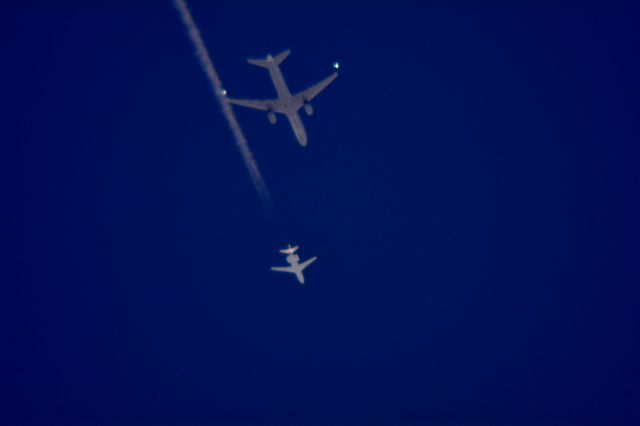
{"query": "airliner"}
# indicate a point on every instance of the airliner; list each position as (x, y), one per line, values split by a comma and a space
(286, 103)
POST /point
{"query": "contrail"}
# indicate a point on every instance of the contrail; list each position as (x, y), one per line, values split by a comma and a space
(216, 85)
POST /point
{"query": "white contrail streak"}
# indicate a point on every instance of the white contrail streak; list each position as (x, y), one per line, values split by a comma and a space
(216, 85)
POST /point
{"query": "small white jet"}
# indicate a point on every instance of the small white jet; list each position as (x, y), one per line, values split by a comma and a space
(294, 267)
(286, 103)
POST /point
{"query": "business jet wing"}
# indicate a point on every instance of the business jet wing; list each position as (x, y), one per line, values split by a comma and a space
(283, 269)
(308, 262)
(313, 91)
(262, 105)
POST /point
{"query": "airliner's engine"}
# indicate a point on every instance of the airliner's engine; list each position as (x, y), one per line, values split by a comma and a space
(272, 117)
(308, 108)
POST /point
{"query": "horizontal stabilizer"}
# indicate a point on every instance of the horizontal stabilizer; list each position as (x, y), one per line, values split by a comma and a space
(270, 60)
(289, 250)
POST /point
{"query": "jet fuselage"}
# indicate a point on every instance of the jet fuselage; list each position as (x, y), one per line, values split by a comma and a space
(287, 104)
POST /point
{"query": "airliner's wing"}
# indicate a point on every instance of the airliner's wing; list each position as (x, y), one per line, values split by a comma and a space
(283, 269)
(307, 263)
(262, 105)
(313, 91)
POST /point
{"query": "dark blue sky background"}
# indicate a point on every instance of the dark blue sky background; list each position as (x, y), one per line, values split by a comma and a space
(471, 188)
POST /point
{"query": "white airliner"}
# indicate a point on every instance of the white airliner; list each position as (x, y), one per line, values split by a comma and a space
(294, 267)
(286, 103)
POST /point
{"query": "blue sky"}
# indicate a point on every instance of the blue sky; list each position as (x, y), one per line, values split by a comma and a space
(470, 188)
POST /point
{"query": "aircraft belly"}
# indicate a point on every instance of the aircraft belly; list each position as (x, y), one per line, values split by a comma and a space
(278, 81)
(298, 128)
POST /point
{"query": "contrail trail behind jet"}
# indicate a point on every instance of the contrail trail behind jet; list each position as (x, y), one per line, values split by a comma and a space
(216, 85)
